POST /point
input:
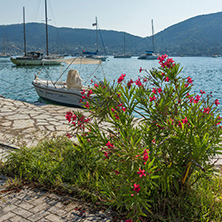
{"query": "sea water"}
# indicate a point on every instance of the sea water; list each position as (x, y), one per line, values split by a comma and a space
(16, 82)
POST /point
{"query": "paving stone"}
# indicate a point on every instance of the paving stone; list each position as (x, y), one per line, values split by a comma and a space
(38, 216)
(53, 218)
(19, 219)
(22, 212)
(7, 216)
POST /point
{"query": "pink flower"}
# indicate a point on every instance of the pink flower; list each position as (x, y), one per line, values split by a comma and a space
(162, 58)
(117, 172)
(167, 79)
(179, 124)
(185, 120)
(206, 110)
(130, 83)
(219, 122)
(96, 85)
(106, 155)
(109, 145)
(202, 92)
(141, 173)
(138, 82)
(159, 90)
(145, 155)
(186, 85)
(152, 98)
(197, 99)
(83, 97)
(89, 93)
(121, 78)
(86, 120)
(140, 70)
(216, 102)
(68, 116)
(83, 91)
(136, 187)
(68, 135)
(144, 80)
(91, 81)
(87, 105)
(124, 109)
(116, 116)
(163, 74)
(191, 99)
(129, 220)
(189, 80)
(113, 110)
(154, 91)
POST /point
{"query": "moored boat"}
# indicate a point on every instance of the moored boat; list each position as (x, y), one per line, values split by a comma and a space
(35, 58)
(150, 55)
(65, 93)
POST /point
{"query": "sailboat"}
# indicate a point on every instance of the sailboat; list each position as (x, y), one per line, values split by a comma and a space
(36, 57)
(150, 55)
(124, 55)
(4, 54)
(95, 55)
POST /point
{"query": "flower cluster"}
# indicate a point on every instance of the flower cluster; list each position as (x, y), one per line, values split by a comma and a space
(166, 62)
(121, 78)
(77, 120)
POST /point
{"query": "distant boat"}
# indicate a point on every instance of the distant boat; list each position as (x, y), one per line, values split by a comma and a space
(4, 54)
(95, 55)
(124, 55)
(150, 55)
(35, 57)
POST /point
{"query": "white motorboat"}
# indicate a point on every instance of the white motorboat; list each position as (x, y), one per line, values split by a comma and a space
(64, 93)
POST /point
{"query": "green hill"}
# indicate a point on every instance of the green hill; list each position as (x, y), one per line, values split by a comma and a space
(197, 36)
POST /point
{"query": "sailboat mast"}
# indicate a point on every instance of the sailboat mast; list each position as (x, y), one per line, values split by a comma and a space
(152, 35)
(4, 52)
(46, 29)
(24, 30)
(97, 43)
(124, 42)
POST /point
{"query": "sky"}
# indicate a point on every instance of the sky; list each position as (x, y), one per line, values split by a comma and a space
(131, 16)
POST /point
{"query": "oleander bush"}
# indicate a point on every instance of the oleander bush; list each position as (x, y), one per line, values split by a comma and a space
(145, 149)
(161, 153)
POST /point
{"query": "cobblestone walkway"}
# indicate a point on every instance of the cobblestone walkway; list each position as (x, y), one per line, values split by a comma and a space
(35, 205)
(22, 123)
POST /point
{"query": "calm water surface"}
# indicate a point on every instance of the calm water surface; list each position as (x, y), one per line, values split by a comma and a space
(16, 82)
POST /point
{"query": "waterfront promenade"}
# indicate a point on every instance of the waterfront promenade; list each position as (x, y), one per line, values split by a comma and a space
(26, 124)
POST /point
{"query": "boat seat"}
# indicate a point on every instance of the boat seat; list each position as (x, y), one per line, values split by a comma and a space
(74, 80)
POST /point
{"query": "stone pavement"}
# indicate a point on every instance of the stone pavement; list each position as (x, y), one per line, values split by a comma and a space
(27, 205)
(26, 124)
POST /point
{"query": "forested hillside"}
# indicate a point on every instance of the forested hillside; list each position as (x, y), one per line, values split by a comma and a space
(198, 36)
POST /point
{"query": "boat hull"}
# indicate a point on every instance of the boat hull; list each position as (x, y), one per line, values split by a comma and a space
(150, 57)
(61, 95)
(122, 56)
(33, 62)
